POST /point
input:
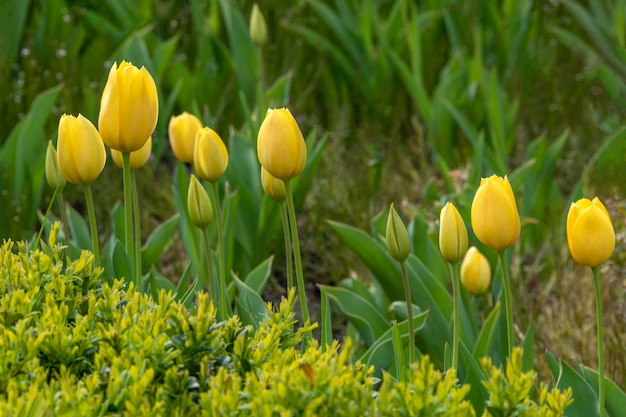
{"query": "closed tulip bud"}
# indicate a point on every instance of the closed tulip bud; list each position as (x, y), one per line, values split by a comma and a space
(475, 272)
(258, 28)
(495, 218)
(81, 155)
(137, 158)
(397, 236)
(273, 187)
(210, 157)
(53, 175)
(199, 204)
(280, 145)
(129, 108)
(452, 234)
(182, 132)
(590, 233)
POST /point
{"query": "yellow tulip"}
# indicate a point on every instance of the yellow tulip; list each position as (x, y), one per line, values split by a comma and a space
(129, 108)
(137, 158)
(210, 157)
(258, 28)
(495, 219)
(81, 155)
(475, 272)
(397, 236)
(280, 145)
(199, 204)
(590, 233)
(53, 175)
(182, 132)
(452, 234)
(272, 186)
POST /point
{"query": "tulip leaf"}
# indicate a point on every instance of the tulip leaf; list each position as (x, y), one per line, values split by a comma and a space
(487, 336)
(250, 306)
(399, 311)
(472, 374)
(257, 278)
(157, 242)
(615, 398)
(373, 294)
(156, 282)
(604, 175)
(398, 352)
(79, 230)
(326, 330)
(121, 262)
(367, 319)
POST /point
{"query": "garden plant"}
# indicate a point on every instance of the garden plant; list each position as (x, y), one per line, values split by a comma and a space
(325, 208)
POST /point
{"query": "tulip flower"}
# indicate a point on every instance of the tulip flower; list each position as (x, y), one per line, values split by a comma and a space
(182, 133)
(81, 155)
(199, 204)
(273, 187)
(495, 219)
(210, 157)
(452, 234)
(280, 145)
(258, 28)
(137, 158)
(129, 108)
(590, 233)
(475, 272)
(53, 174)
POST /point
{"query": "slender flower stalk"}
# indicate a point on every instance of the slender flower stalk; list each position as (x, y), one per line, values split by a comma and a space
(128, 217)
(596, 289)
(288, 254)
(456, 331)
(220, 250)
(92, 225)
(298, 261)
(409, 309)
(137, 229)
(508, 304)
(209, 257)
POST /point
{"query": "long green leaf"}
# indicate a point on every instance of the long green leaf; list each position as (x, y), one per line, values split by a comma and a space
(157, 242)
(250, 306)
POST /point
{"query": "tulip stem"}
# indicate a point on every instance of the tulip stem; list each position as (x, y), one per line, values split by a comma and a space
(225, 306)
(298, 261)
(92, 225)
(507, 302)
(128, 217)
(137, 231)
(409, 311)
(45, 218)
(456, 331)
(66, 228)
(596, 288)
(209, 257)
(288, 253)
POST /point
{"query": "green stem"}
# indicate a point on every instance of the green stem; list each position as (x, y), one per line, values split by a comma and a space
(596, 288)
(409, 310)
(128, 216)
(225, 306)
(298, 260)
(209, 257)
(64, 222)
(92, 225)
(456, 332)
(288, 253)
(507, 302)
(45, 218)
(137, 230)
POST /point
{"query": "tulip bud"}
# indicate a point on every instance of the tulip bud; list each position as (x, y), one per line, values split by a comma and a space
(495, 218)
(258, 28)
(397, 236)
(199, 204)
(273, 187)
(182, 132)
(81, 155)
(452, 234)
(137, 158)
(210, 157)
(280, 145)
(590, 233)
(475, 272)
(53, 174)
(129, 108)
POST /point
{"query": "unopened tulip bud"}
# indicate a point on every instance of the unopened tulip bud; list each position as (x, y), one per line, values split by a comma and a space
(137, 158)
(81, 155)
(397, 236)
(452, 234)
(199, 204)
(182, 132)
(129, 108)
(53, 175)
(210, 157)
(280, 145)
(273, 187)
(475, 272)
(495, 218)
(590, 233)
(258, 28)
